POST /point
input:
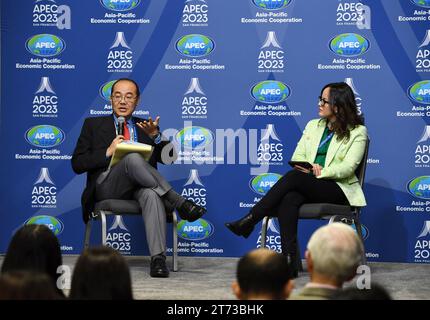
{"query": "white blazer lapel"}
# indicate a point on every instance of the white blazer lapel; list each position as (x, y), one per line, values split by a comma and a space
(332, 149)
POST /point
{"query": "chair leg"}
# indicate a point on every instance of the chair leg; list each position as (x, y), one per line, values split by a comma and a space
(87, 234)
(103, 222)
(332, 219)
(299, 256)
(264, 231)
(360, 234)
(175, 243)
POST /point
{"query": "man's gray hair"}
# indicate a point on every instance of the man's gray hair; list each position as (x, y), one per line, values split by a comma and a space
(336, 251)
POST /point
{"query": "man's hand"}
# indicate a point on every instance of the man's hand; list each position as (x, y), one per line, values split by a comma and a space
(112, 147)
(150, 127)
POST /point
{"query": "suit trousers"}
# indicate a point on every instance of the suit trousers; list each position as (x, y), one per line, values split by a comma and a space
(286, 196)
(134, 178)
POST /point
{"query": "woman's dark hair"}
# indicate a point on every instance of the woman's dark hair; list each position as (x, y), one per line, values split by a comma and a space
(342, 97)
(101, 273)
(34, 248)
(27, 285)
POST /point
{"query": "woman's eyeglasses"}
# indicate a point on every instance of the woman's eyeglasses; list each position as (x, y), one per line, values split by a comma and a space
(322, 102)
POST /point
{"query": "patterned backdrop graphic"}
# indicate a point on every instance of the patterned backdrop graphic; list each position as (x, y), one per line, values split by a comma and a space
(234, 83)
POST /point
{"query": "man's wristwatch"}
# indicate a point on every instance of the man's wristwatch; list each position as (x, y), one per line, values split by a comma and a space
(157, 138)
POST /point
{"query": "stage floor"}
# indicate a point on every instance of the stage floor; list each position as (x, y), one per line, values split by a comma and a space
(211, 278)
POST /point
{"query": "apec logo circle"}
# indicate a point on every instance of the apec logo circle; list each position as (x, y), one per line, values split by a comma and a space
(45, 45)
(420, 92)
(420, 187)
(349, 45)
(195, 45)
(422, 3)
(54, 224)
(270, 91)
(120, 5)
(106, 90)
(198, 230)
(364, 230)
(195, 137)
(45, 136)
(271, 4)
(262, 183)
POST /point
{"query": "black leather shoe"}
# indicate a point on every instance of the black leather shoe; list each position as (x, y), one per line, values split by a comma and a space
(158, 267)
(190, 211)
(293, 264)
(242, 227)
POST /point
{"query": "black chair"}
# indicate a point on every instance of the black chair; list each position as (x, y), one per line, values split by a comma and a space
(126, 207)
(328, 211)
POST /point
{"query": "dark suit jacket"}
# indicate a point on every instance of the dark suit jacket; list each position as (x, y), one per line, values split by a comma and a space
(90, 154)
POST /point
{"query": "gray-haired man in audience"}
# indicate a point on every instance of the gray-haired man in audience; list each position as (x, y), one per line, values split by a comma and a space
(333, 254)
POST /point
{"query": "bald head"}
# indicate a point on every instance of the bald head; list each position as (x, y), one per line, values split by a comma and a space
(263, 271)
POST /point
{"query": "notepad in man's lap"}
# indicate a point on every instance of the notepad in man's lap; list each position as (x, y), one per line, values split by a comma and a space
(126, 147)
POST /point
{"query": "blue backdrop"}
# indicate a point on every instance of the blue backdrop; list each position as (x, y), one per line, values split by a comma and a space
(234, 83)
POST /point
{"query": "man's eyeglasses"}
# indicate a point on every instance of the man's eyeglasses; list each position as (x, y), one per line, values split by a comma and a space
(322, 101)
(127, 98)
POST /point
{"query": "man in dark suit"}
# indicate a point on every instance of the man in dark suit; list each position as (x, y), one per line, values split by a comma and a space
(132, 177)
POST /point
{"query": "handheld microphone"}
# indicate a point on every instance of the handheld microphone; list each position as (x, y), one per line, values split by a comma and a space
(121, 122)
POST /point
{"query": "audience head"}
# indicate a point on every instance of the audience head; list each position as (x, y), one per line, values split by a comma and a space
(101, 273)
(263, 274)
(333, 254)
(27, 285)
(34, 248)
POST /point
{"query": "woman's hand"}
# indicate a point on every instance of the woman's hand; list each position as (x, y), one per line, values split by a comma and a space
(316, 169)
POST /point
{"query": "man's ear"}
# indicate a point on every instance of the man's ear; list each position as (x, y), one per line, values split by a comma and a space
(236, 290)
(309, 261)
(288, 288)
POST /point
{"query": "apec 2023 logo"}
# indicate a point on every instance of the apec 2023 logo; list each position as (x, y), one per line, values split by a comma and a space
(45, 45)
(270, 91)
(198, 230)
(120, 5)
(195, 137)
(349, 45)
(106, 90)
(45, 136)
(262, 183)
(54, 224)
(420, 187)
(271, 4)
(422, 3)
(195, 45)
(420, 92)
